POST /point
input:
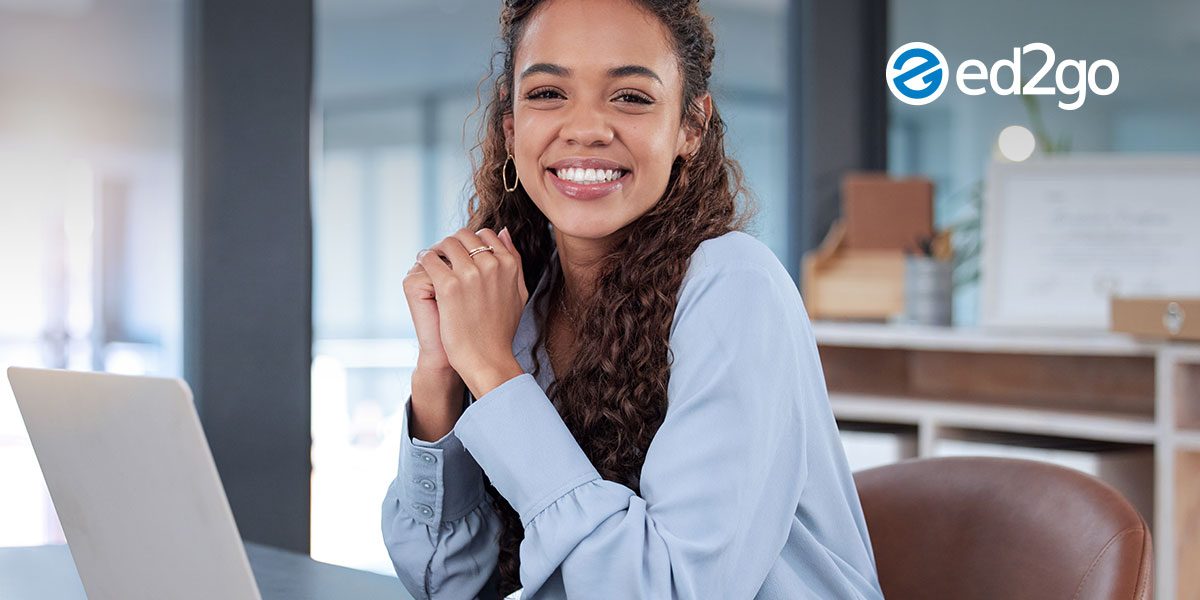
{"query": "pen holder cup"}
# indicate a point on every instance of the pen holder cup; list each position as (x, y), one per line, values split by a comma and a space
(928, 290)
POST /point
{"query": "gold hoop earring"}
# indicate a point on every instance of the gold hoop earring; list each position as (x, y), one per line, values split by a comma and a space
(504, 174)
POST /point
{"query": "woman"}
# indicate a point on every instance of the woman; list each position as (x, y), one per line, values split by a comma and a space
(652, 421)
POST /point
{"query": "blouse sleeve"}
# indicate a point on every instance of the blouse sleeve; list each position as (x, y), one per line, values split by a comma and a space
(439, 528)
(721, 480)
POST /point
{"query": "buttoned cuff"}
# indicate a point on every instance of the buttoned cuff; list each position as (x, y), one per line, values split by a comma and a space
(440, 481)
(519, 439)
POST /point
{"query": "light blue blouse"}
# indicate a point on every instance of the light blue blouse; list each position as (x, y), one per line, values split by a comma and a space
(745, 490)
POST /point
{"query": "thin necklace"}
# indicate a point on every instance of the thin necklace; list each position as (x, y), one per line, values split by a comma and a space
(562, 306)
(551, 345)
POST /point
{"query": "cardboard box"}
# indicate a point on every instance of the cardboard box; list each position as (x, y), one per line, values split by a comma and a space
(1158, 317)
(844, 283)
(885, 213)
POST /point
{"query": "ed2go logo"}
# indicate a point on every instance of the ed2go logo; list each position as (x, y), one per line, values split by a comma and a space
(917, 74)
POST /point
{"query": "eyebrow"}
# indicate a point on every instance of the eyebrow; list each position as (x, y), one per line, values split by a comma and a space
(615, 72)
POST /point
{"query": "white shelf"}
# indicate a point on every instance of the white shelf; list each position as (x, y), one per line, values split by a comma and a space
(948, 413)
(969, 339)
(1188, 440)
(1184, 353)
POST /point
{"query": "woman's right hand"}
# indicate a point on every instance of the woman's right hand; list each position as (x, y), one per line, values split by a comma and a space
(436, 387)
(422, 304)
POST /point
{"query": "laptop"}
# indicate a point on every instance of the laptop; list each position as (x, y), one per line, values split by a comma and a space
(135, 486)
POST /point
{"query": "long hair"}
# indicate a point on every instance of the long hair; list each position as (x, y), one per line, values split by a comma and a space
(614, 397)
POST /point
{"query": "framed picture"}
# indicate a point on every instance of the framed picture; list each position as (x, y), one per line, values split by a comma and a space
(1064, 234)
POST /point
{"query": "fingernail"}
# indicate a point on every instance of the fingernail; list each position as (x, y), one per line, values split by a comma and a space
(422, 253)
(480, 231)
(505, 230)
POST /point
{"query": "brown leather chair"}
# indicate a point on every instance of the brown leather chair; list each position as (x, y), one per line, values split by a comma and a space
(979, 527)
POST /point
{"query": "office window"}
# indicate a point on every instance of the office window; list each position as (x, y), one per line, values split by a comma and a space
(952, 139)
(90, 202)
(395, 85)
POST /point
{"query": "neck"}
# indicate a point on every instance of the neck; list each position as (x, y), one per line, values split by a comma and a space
(580, 261)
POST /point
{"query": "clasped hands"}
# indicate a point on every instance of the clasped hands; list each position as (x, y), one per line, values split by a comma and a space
(466, 309)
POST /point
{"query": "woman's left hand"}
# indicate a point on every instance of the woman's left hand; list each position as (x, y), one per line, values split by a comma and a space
(480, 300)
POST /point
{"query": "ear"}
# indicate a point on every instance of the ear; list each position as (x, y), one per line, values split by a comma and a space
(508, 131)
(689, 136)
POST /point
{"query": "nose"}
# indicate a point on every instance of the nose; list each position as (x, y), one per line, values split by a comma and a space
(586, 125)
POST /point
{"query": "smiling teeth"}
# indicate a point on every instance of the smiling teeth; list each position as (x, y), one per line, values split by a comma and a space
(578, 175)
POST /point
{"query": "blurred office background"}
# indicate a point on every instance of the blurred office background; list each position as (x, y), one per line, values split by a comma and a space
(90, 209)
(951, 140)
(92, 147)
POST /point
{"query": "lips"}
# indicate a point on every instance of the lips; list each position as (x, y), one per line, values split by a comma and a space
(586, 191)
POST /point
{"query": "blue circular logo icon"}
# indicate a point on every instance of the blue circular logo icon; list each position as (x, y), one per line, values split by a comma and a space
(917, 73)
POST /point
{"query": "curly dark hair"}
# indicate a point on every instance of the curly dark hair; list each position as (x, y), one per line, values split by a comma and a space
(613, 398)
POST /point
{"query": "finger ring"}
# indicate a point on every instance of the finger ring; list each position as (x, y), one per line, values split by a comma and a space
(481, 249)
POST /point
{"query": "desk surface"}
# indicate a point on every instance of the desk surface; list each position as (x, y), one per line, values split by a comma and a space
(48, 572)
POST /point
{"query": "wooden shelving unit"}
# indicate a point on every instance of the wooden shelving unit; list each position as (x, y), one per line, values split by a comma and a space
(947, 383)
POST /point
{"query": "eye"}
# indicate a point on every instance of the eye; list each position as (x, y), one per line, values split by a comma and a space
(635, 97)
(543, 94)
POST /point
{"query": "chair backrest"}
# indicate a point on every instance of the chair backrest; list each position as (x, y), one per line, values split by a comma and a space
(983, 527)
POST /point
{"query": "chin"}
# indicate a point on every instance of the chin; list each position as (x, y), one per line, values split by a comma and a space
(584, 226)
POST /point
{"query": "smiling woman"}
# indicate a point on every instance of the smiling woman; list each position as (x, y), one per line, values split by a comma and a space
(651, 420)
(600, 87)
